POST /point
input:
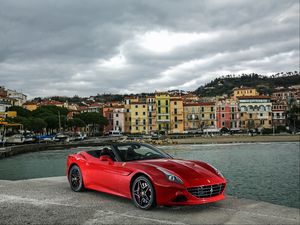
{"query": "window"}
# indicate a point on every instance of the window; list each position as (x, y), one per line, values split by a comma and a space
(242, 114)
(212, 123)
(211, 109)
(175, 103)
(159, 117)
(117, 123)
(144, 106)
(117, 115)
(167, 110)
(202, 115)
(167, 102)
(261, 114)
(167, 117)
(144, 128)
(158, 102)
(150, 121)
(223, 123)
(159, 110)
(136, 122)
(136, 113)
(250, 115)
(175, 118)
(136, 128)
(144, 122)
(232, 109)
(136, 106)
(232, 116)
(223, 115)
(202, 109)
(144, 113)
(176, 126)
(175, 111)
(129, 127)
(150, 128)
(222, 109)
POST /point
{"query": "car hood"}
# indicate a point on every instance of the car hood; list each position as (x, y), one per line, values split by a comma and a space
(187, 170)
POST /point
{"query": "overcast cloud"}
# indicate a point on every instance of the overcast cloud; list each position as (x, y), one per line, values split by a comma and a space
(68, 47)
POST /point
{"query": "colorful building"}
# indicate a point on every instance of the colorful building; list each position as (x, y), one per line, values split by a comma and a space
(139, 117)
(176, 115)
(119, 118)
(31, 106)
(244, 91)
(255, 112)
(151, 105)
(207, 115)
(163, 112)
(227, 114)
(191, 111)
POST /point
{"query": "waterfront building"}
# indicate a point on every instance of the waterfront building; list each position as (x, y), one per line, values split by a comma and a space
(176, 115)
(244, 91)
(191, 111)
(255, 112)
(163, 112)
(151, 105)
(207, 115)
(51, 102)
(279, 112)
(127, 115)
(227, 114)
(119, 118)
(31, 106)
(139, 118)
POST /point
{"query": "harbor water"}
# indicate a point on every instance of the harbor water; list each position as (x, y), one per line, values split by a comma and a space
(261, 171)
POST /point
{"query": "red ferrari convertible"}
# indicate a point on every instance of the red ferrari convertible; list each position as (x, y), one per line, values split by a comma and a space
(146, 175)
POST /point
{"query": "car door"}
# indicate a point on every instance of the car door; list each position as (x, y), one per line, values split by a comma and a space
(106, 175)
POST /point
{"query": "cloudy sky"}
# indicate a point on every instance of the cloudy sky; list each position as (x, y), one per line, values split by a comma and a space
(68, 47)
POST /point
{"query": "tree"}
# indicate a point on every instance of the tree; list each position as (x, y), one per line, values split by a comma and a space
(93, 118)
(75, 123)
(52, 122)
(20, 111)
(36, 124)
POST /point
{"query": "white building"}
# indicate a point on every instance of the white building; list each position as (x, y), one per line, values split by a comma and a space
(18, 96)
(119, 119)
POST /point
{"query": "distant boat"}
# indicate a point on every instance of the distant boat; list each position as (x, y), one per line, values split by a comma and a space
(15, 139)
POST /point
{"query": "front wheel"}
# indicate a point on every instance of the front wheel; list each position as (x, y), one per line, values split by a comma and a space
(143, 193)
(75, 179)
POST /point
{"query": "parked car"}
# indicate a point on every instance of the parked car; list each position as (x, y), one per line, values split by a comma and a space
(145, 174)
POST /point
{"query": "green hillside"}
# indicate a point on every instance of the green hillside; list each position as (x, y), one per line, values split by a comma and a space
(264, 84)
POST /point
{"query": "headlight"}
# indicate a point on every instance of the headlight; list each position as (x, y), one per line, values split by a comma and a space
(171, 177)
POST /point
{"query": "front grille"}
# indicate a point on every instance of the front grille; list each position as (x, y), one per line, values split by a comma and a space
(206, 191)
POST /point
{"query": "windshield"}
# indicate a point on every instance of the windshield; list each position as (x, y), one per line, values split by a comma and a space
(131, 152)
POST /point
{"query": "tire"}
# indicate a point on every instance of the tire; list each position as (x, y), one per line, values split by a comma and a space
(75, 179)
(143, 193)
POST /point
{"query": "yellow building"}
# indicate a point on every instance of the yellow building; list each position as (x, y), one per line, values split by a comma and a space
(127, 105)
(176, 115)
(151, 105)
(139, 118)
(255, 112)
(163, 112)
(191, 116)
(207, 115)
(31, 106)
(244, 91)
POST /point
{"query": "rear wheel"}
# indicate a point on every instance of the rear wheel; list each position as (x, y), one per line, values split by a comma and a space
(75, 179)
(143, 193)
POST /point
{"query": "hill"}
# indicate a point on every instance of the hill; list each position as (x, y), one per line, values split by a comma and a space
(264, 84)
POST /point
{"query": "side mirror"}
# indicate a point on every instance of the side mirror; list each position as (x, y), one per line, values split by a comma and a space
(106, 158)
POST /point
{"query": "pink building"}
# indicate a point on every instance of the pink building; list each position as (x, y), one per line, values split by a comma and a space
(227, 114)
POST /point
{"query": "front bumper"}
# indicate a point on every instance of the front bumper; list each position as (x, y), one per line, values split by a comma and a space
(179, 195)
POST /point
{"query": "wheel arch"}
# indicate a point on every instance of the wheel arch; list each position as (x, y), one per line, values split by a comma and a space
(136, 175)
